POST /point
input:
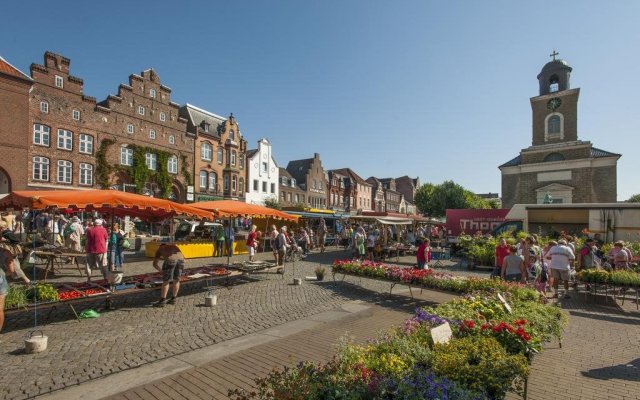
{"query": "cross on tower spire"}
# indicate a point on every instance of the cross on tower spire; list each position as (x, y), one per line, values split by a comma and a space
(554, 54)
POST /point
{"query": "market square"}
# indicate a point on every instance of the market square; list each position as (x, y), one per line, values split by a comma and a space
(296, 200)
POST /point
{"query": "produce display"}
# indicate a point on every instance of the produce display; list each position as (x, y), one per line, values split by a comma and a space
(21, 296)
(487, 355)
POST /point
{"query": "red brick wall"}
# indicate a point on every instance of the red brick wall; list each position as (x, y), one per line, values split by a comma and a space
(14, 127)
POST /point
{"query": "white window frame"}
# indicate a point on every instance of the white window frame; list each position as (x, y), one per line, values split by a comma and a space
(233, 157)
(66, 136)
(151, 161)
(234, 183)
(172, 139)
(126, 156)
(75, 114)
(226, 182)
(265, 167)
(203, 179)
(163, 117)
(152, 134)
(86, 174)
(220, 155)
(40, 168)
(58, 81)
(130, 129)
(141, 110)
(172, 165)
(206, 151)
(44, 107)
(85, 143)
(241, 161)
(64, 172)
(41, 135)
(152, 93)
(213, 180)
(556, 136)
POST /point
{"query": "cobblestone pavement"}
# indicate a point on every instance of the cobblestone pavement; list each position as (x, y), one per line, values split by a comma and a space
(136, 334)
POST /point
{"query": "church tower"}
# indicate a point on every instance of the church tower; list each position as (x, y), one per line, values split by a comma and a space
(557, 163)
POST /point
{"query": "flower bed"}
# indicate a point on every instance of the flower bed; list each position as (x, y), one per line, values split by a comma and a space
(615, 278)
(487, 355)
(430, 278)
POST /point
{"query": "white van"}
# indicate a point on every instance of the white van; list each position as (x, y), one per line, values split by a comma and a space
(186, 228)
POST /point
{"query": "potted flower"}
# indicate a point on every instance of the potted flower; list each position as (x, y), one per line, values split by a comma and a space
(320, 273)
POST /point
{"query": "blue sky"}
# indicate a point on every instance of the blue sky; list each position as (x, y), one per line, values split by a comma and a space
(437, 89)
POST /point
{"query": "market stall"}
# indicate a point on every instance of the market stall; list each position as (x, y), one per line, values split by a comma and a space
(224, 210)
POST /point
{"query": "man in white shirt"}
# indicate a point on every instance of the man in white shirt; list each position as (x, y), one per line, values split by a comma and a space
(560, 257)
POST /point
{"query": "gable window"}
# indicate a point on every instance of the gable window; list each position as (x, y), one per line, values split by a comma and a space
(65, 139)
(163, 117)
(220, 155)
(314, 184)
(41, 134)
(152, 93)
(205, 152)
(265, 167)
(126, 156)
(141, 110)
(232, 135)
(152, 134)
(255, 185)
(130, 128)
(86, 174)
(213, 181)
(151, 161)
(44, 107)
(172, 165)
(233, 158)
(59, 81)
(85, 144)
(40, 169)
(75, 114)
(172, 139)
(64, 171)
(203, 179)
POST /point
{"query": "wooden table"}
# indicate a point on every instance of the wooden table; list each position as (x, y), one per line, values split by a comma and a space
(55, 261)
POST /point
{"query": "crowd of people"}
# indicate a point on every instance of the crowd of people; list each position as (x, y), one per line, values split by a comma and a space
(556, 262)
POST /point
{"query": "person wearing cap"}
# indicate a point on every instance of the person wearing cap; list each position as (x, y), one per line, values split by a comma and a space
(560, 258)
(96, 248)
(587, 255)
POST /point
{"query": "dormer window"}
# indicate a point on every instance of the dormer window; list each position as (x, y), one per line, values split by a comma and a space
(232, 135)
(205, 126)
(293, 182)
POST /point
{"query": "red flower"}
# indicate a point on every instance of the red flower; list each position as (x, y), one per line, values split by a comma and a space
(469, 324)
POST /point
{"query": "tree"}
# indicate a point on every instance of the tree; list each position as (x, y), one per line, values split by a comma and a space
(634, 199)
(272, 202)
(433, 200)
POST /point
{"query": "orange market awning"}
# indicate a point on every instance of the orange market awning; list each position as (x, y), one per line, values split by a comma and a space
(104, 201)
(233, 208)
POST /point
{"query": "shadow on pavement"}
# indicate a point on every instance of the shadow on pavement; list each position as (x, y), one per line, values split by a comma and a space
(627, 372)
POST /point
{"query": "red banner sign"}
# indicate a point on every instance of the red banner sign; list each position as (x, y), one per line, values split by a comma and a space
(470, 221)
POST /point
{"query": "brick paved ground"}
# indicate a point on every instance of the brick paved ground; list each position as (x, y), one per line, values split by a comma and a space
(136, 334)
(599, 357)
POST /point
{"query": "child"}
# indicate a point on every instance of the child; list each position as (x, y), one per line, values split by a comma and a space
(542, 276)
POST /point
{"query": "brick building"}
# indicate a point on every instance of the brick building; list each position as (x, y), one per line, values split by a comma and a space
(337, 184)
(378, 199)
(392, 197)
(408, 186)
(14, 127)
(144, 127)
(220, 155)
(358, 191)
(557, 163)
(78, 143)
(291, 194)
(310, 177)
